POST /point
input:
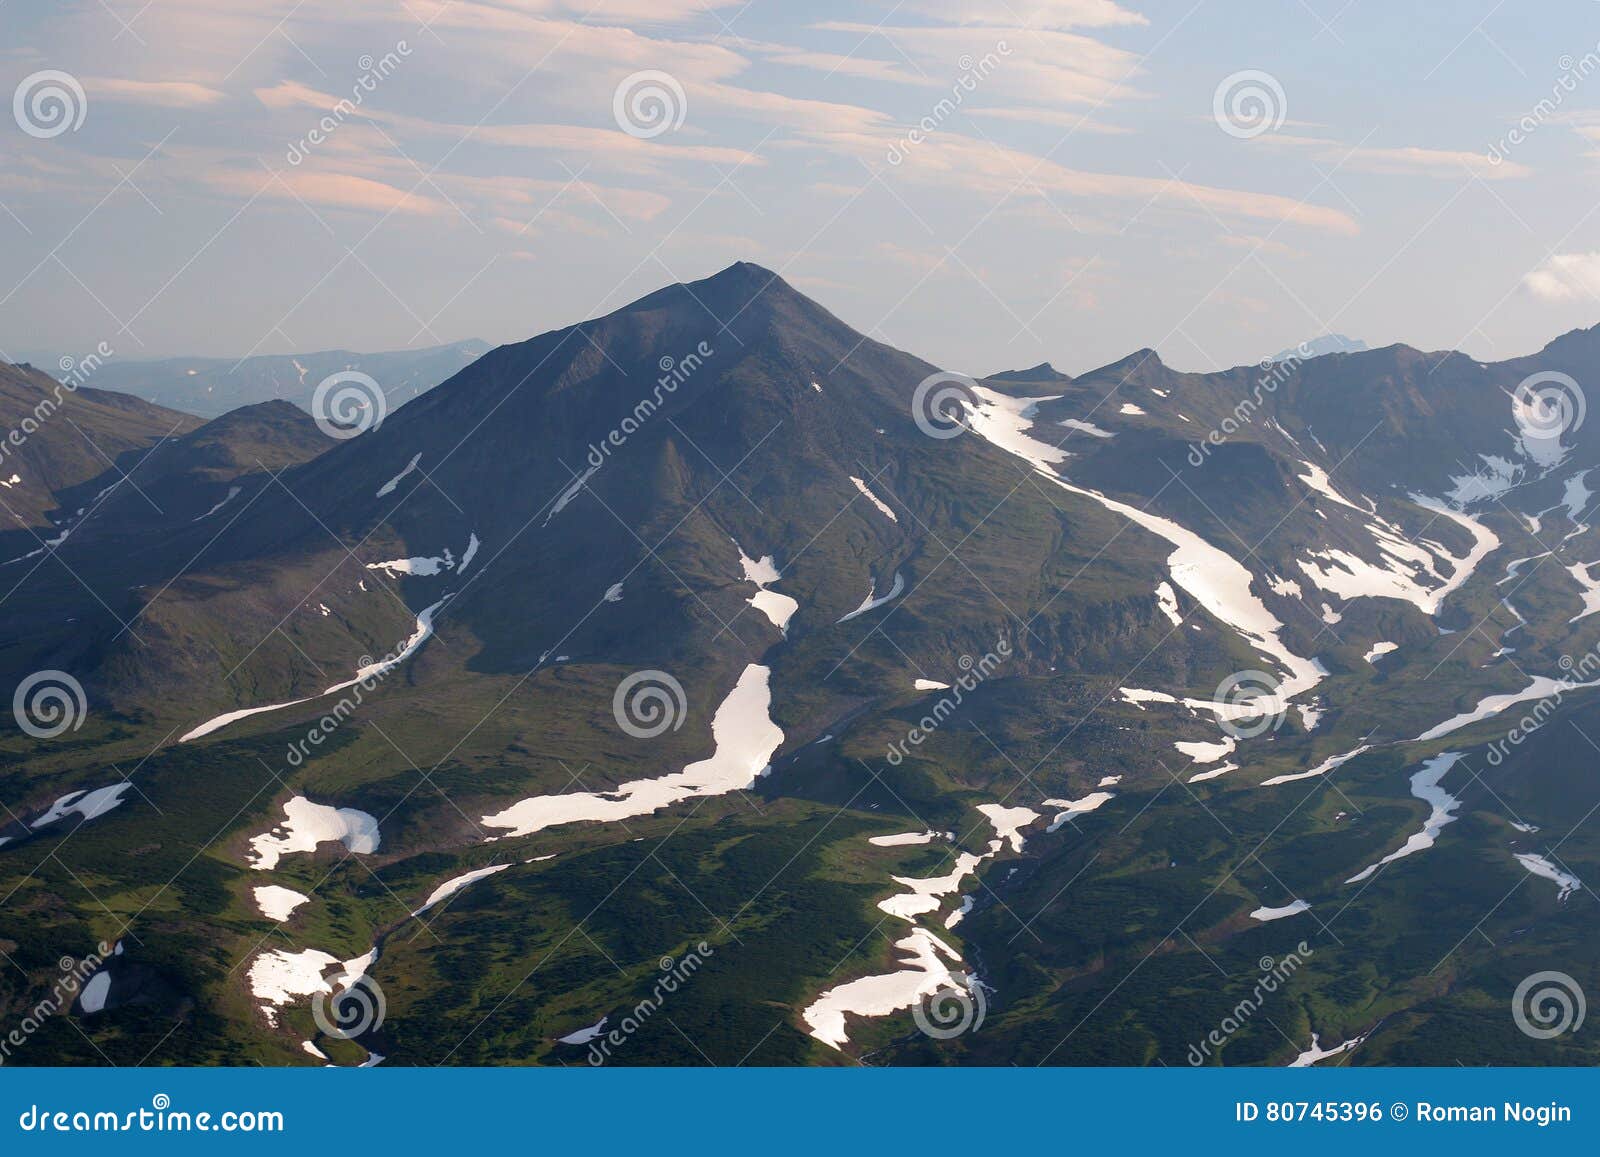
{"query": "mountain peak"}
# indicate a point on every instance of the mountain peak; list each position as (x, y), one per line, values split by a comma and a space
(1328, 343)
(742, 282)
(1141, 359)
(726, 293)
(1573, 343)
(743, 269)
(1043, 372)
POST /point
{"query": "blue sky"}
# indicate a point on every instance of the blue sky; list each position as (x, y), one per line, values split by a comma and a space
(1082, 199)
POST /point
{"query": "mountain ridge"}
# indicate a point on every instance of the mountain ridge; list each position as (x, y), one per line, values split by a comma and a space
(804, 553)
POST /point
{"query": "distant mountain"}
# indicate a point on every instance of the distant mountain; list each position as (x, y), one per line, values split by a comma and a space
(64, 435)
(213, 386)
(956, 697)
(1043, 372)
(1328, 343)
(184, 479)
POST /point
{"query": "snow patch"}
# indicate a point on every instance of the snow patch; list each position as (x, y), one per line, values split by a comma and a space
(903, 839)
(388, 487)
(874, 499)
(1442, 805)
(1077, 807)
(1168, 600)
(1583, 573)
(1490, 705)
(278, 976)
(1294, 909)
(1317, 479)
(871, 602)
(233, 492)
(88, 804)
(570, 493)
(923, 973)
(1317, 1053)
(1201, 752)
(778, 608)
(1322, 768)
(372, 671)
(422, 566)
(93, 997)
(746, 739)
(453, 885)
(1565, 882)
(1008, 821)
(308, 824)
(277, 902)
(1215, 772)
(584, 1035)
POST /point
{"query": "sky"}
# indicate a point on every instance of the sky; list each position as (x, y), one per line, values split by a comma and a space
(985, 183)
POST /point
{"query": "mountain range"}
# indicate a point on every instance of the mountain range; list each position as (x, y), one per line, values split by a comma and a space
(714, 631)
(210, 387)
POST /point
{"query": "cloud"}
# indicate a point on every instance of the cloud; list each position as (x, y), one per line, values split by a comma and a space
(606, 145)
(1042, 14)
(329, 190)
(1007, 63)
(523, 198)
(947, 160)
(835, 63)
(584, 64)
(292, 94)
(1407, 160)
(1566, 276)
(621, 11)
(538, 42)
(1435, 162)
(1585, 124)
(161, 93)
(1077, 121)
(1259, 244)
